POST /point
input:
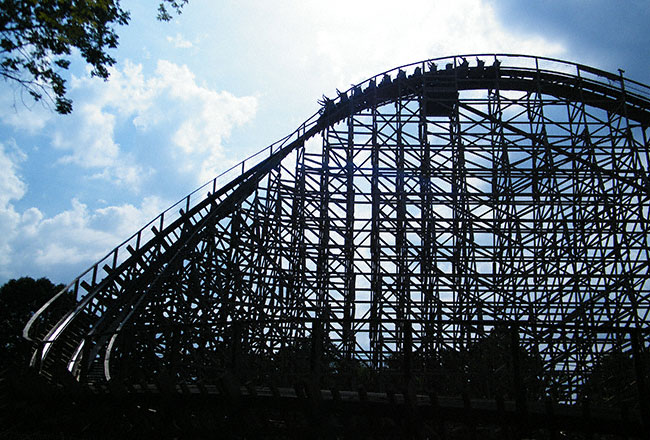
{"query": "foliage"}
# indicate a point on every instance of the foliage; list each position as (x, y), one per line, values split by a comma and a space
(613, 380)
(37, 39)
(490, 371)
(175, 5)
(19, 300)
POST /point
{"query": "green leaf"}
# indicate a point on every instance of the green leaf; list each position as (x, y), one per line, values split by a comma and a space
(38, 36)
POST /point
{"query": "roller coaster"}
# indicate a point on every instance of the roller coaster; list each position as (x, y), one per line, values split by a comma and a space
(449, 243)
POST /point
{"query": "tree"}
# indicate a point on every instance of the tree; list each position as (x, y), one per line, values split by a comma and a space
(19, 300)
(613, 379)
(37, 38)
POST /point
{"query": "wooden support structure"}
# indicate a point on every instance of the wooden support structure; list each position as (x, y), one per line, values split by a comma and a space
(482, 228)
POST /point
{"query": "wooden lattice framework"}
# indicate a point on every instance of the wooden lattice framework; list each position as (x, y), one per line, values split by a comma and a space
(418, 215)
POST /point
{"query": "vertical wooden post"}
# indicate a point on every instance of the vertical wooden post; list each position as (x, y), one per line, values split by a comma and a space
(316, 350)
(639, 370)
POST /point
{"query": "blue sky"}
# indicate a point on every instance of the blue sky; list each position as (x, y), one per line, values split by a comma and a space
(189, 98)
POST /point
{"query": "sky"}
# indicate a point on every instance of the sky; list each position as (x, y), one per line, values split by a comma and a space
(189, 98)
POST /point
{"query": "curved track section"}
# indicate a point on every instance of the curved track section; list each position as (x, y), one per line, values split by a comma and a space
(476, 228)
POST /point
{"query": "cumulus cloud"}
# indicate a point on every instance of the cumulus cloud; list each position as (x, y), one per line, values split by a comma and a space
(92, 146)
(73, 238)
(82, 235)
(11, 188)
(185, 121)
(31, 120)
(199, 138)
(188, 123)
(21, 112)
(11, 185)
(192, 119)
(68, 242)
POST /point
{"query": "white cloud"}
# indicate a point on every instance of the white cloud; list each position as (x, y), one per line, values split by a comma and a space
(324, 45)
(189, 123)
(87, 136)
(20, 112)
(386, 36)
(192, 121)
(209, 119)
(11, 185)
(179, 42)
(82, 235)
(70, 240)
(12, 188)
(31, 243)
(92, 145)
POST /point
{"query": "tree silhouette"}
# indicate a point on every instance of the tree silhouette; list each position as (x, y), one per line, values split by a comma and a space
(37, 39)
(613, 380)
(19, 300)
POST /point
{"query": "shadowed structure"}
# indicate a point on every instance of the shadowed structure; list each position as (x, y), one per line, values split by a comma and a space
(472, 231)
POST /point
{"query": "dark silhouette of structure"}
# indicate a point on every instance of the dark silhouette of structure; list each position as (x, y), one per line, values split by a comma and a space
(443, 248)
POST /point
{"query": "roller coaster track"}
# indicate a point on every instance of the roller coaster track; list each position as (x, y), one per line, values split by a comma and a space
(448, 201)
